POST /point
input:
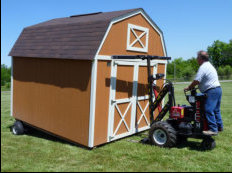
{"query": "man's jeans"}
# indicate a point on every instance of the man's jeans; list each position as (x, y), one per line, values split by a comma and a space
(212, 109)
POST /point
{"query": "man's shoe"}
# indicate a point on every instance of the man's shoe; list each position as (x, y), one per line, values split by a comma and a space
(210, 133)
(220, 129)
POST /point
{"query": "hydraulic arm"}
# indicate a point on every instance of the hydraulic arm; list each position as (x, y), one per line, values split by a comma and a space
(167, 89)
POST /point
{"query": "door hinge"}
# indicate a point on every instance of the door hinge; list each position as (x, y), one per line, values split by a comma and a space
(113, 101)
(111, 137)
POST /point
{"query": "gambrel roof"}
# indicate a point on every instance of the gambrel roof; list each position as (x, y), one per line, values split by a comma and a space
(74, 37)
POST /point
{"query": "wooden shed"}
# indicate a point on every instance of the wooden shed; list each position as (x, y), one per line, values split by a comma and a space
(66, 83)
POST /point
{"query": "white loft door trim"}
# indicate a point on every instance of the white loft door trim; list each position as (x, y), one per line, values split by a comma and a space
(145, 32)
(113, 104)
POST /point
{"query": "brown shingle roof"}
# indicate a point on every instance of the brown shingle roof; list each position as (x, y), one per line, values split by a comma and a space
(75, 37)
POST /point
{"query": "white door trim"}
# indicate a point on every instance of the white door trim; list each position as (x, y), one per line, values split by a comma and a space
(112, 96)
(133, 102)
(142, 62)
(143, 113)
(113, 103)
(122, 118)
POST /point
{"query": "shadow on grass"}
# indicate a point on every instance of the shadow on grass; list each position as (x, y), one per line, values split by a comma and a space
(38, 133)
(191, 145)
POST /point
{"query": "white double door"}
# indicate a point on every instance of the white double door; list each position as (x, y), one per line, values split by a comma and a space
(129, 101)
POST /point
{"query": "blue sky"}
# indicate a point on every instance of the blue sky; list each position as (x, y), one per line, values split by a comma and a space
(188, 25)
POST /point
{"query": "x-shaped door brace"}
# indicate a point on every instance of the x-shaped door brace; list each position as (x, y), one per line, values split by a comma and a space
(123, 118)
(143, 113)
(143, 32)
(137, 38)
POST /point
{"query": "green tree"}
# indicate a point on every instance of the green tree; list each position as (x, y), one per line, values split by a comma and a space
(220, 53)
(182, 68)
(170, 70)
(225, 72)
(187, 73)
(193, 63)
(5, 74)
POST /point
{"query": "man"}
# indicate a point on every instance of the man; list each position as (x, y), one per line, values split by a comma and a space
(207, 79)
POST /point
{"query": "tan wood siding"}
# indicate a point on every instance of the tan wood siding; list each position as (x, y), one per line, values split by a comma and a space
(143, 81)
(160, 69)
(53, 95)
(124, 83)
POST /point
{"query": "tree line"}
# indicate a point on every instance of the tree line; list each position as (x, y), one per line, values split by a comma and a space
(5, 75)
(220, 54)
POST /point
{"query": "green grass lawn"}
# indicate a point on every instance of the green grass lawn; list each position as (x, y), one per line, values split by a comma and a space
(41, 152)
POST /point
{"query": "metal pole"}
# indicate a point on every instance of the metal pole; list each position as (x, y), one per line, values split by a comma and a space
(150, 89)
(174, 71)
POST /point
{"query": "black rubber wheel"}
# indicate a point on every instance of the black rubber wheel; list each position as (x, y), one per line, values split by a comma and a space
(208, 144)
(162, 134)
(17, 128)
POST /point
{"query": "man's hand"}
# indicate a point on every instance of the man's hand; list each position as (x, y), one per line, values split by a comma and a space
(192, 85)
(186, 89)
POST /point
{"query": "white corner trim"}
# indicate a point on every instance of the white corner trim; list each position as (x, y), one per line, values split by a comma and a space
(103, 57)
(92, 103)
(12, 80)
(131, 30)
